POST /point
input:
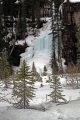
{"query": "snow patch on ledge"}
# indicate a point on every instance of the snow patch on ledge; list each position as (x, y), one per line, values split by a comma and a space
(29, 40)
(72, 1)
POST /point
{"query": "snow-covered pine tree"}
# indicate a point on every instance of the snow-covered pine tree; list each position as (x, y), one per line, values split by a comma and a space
(6, 69)
(56, 94)
(56, 37)
(24, 90)
(54, 26)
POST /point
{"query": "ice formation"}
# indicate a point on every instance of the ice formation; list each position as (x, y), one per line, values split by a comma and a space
(42, 44)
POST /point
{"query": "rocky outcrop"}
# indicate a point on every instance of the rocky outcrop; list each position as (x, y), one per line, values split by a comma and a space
(14, 58)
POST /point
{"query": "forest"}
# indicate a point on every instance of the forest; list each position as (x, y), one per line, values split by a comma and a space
(39, 59)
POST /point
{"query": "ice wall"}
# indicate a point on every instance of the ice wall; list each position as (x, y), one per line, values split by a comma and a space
(42, 43)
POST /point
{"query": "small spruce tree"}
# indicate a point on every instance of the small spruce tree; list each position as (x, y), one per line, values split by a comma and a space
(34, 69)
(56, 94)
(6, 69)
(24, 90)
(36, 75)
(44, 71)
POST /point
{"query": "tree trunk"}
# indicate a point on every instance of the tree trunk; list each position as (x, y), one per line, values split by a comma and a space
(38, 14)
(24, 94)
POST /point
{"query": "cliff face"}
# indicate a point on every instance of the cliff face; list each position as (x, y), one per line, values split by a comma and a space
(70, 18)
(14, 58)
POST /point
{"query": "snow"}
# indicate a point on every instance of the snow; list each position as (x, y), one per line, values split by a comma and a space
(4, 104)
(69, 111)
(45, 18)
(29, 40)
(17, 2)
(53, 111)
(72, 1)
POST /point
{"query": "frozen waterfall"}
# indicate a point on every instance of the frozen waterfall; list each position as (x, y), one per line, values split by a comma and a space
(42, 44)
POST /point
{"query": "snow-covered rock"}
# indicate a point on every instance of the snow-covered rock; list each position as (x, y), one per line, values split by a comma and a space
(72, 1)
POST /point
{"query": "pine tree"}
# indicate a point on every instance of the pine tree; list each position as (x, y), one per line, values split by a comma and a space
(24, 90)
(56, 94)
(6, 69)
(36, 75)
(33, 10)
(21, 23)
(58, 3)
(2, 43)
(56, 37)
(24, 27)
(54, 34)
(34, 69)
(8, 7)
(44, 71)
(38, 13)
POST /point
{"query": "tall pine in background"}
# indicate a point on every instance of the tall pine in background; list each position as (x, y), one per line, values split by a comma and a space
(21, 22)
(38, 13)
(58, 3)
(2, 43)
(56, 63)
(54, 38)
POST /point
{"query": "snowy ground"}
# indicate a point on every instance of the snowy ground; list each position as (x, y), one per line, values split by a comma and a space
(69, 111)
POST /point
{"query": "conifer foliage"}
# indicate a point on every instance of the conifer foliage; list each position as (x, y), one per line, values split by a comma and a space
(5, 69)
(24, 89)
(34, 69)
(36, 75)
(56, 94)
(2, 43)
(45, 71)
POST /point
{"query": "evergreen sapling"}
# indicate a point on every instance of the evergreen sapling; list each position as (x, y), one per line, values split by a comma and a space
(44, 71)
(56, 93)
(24, 86)
(6, 69)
